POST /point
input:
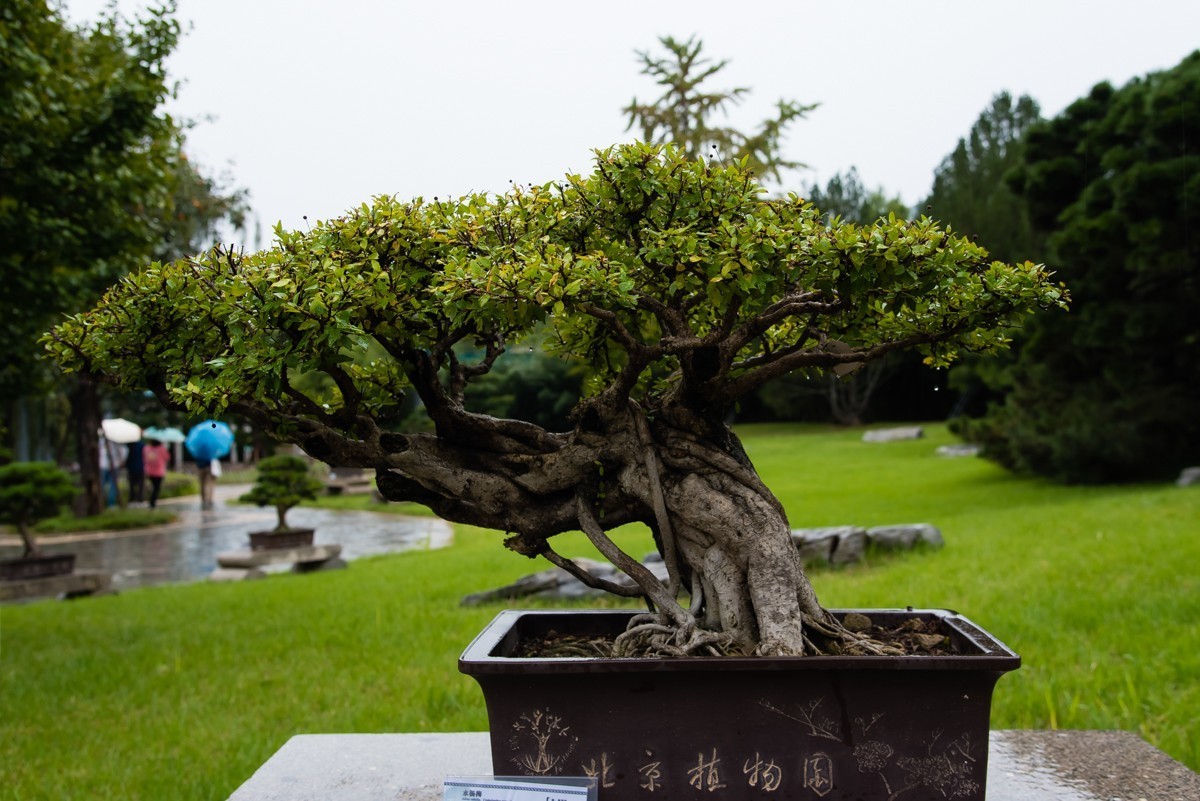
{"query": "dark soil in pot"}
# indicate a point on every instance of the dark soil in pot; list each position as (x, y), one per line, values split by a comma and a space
(915, 637)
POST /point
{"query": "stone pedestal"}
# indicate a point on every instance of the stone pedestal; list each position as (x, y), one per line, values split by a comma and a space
(1022, 766)
(248, 564)
(70, 585)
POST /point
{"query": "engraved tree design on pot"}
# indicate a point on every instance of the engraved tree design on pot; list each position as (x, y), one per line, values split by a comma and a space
(948, 766)
(540, 743)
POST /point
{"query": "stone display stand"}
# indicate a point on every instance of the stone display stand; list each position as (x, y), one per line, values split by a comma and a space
(247, 564)
(1022, 766)
(69, 585)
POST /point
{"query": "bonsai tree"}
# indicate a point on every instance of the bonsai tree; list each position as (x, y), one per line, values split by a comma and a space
(679, 283)
(32, 491)
(283, 481)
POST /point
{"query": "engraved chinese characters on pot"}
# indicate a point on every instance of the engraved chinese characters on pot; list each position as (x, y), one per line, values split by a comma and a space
(763, 774)
(600, 769)
(818, 773)
(651, 775)
(541, 743)
(544, 743)
(706, 774)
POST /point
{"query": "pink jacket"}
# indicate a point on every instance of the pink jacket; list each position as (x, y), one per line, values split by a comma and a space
(156, 458)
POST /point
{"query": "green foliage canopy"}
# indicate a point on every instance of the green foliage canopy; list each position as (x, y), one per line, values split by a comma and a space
(675, 281)
(85, 162)
(93, 180)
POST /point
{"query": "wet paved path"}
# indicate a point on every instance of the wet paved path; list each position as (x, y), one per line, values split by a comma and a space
(187, 549)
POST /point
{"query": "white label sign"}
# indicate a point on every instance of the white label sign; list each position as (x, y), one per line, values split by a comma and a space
(523, 788)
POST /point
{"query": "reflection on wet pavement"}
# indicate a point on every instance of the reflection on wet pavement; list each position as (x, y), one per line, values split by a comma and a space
(187, 549)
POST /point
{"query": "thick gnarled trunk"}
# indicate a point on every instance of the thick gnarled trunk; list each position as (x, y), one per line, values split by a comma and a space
(733, 543)
(737, 584)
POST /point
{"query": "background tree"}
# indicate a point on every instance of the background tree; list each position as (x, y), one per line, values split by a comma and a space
(678, 285)
(971, 194)
(529, 384)
(970, 191)
(93, 182)
(1109, 392)
(205, 209)
(683, 114)
(845, 196)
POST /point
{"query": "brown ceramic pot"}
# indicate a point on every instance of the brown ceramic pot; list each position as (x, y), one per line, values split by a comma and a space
(275, 540)
(905, 728)
(30, 567)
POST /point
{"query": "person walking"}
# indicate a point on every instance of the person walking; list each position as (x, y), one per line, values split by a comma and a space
(111, 462)
(155, 459)
(208, 481)
(135, 470)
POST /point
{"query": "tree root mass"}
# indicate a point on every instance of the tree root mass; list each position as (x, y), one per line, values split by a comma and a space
(914, 637)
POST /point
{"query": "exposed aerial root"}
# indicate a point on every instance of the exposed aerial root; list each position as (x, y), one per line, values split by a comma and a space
(831, 638)
(656, 636)
(653, 636)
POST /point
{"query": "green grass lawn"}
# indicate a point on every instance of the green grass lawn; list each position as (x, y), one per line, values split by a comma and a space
(113, 519)
(181, 692)
(365, 502)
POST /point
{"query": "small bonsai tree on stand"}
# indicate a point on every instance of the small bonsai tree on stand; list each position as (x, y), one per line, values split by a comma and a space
(283, 481)
(32, 491)
(680, 285)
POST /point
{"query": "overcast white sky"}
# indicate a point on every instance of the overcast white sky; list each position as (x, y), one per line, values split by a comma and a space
(318, 106)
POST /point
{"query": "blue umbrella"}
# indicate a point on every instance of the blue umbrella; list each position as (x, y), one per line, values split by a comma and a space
(209, 440)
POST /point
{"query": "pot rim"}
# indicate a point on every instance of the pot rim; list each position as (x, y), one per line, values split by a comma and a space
(484, 656)
(38, 557)
(289, 530)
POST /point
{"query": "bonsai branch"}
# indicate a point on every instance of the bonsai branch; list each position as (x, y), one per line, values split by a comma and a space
(590, 580)
(665, 531)
(651, 587)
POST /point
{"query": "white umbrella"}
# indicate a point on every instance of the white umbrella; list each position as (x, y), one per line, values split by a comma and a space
(121, 431)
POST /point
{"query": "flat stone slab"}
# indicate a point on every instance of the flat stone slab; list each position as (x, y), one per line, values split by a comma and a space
(278, 556)
(1022, 766)
(893, 434)
(236, 574)
(555, 582)
(71, 585)
(959, 450)
(367, 767)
